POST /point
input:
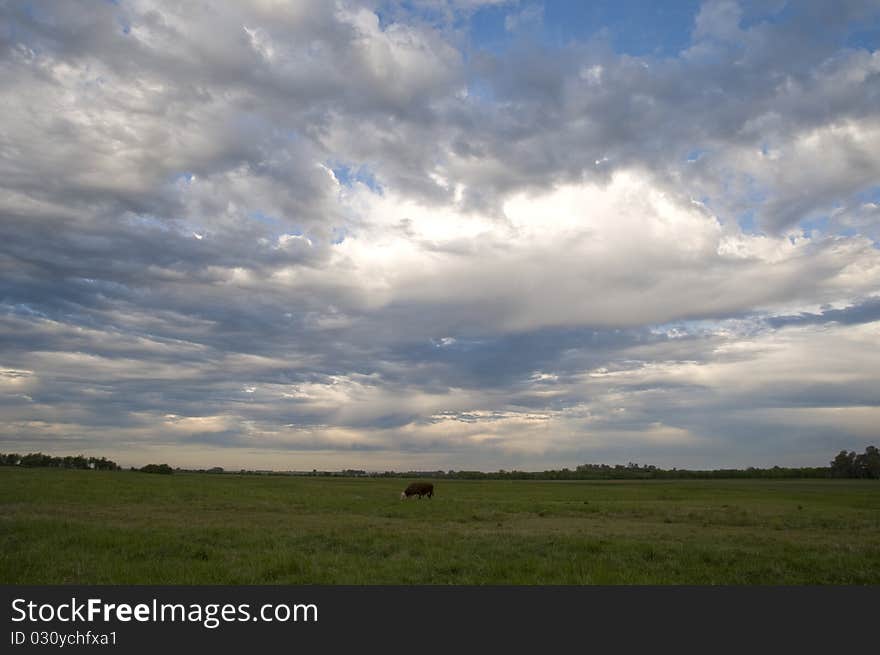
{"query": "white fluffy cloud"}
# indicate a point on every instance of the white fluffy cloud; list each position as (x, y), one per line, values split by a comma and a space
(623, 253)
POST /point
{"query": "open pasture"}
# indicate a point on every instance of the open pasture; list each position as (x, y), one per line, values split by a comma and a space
(67, 526)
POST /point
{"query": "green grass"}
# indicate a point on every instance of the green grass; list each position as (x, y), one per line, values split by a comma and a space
(60, 527)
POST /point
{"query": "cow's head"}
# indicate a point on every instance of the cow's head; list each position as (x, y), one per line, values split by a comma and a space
(403, 495)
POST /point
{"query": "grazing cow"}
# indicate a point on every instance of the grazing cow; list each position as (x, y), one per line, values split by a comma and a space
(418, 489)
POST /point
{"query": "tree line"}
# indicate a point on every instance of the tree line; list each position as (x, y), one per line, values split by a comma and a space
(631, 471)
(33, 460)
(847, 464)
(41, 460)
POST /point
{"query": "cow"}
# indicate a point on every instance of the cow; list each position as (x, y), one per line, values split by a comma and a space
(418, 489)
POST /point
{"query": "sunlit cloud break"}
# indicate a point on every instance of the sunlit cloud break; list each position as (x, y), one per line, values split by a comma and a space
(440, 235)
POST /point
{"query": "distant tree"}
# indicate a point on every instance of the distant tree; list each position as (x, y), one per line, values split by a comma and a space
(850, 465)
(163, 469)
(36, 459)
(103, 464)
(867, 465)
(844, 465)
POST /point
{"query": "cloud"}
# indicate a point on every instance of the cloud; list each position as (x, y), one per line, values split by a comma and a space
(322, 232)
(552, 258)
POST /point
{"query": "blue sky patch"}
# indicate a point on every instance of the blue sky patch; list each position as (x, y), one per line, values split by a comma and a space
(817, 224)
(631, 26)
(695, 155)
(747, 222)
(348, 174)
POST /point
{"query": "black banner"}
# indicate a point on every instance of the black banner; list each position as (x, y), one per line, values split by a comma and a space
(227, 618)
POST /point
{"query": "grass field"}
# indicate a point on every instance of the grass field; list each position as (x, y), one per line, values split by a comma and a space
(60, 526)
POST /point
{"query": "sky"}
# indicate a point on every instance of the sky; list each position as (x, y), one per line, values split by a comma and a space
(440, 234)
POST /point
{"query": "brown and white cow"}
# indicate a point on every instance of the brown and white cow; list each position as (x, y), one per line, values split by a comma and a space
(418, 489)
